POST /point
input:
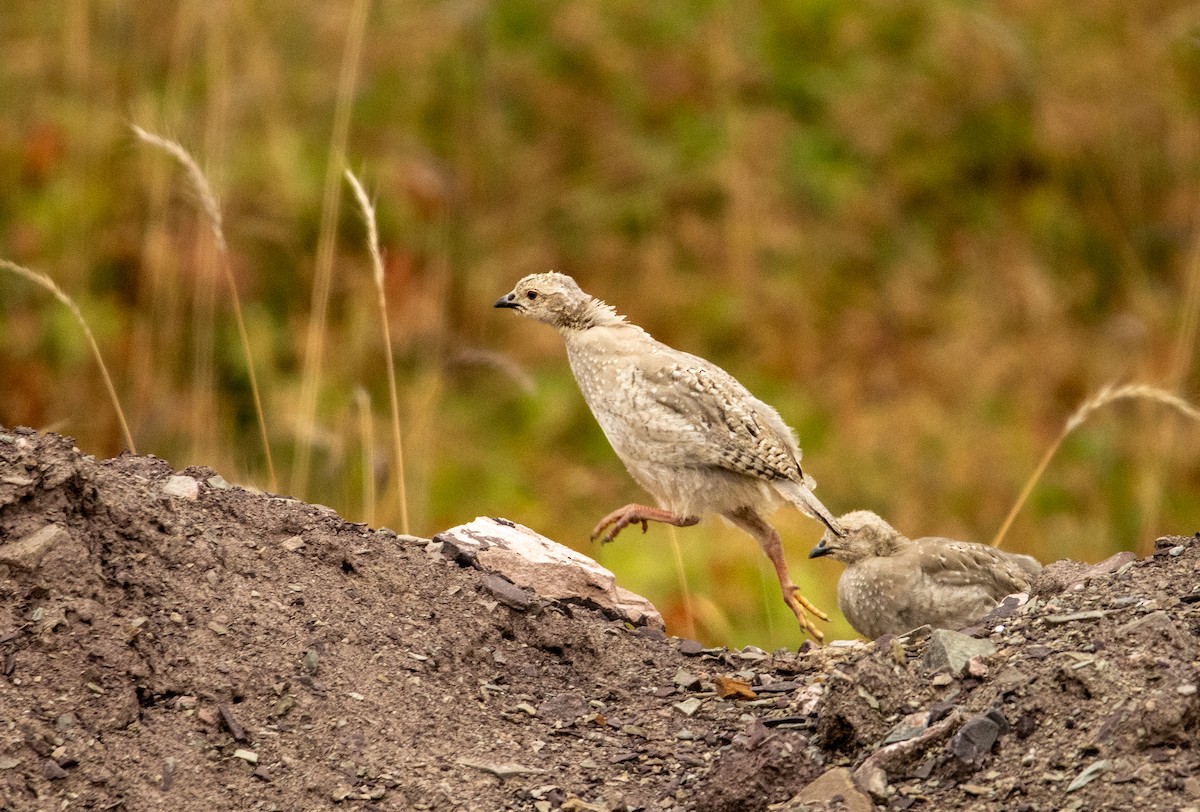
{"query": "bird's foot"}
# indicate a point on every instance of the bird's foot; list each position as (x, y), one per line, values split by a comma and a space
(622, 517)
(802, 607)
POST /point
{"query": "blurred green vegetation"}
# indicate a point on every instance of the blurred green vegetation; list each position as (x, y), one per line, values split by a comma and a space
(924, 231)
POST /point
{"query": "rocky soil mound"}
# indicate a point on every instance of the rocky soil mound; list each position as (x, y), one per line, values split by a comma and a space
(170, 642)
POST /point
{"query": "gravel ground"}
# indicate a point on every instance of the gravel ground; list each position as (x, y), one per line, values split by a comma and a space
(169, 641)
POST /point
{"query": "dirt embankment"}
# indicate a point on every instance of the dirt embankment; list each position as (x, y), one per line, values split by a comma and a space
(171, 642)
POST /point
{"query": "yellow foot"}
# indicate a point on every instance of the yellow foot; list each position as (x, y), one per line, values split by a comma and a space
(801, 607)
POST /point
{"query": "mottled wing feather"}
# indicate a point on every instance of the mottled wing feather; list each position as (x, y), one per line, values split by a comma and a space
(728, 424)
(952, 563)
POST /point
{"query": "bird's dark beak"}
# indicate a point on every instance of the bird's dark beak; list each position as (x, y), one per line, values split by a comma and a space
(820, 550)
(507, 301)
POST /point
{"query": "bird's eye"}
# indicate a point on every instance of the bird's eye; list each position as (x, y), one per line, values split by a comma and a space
(531, 294)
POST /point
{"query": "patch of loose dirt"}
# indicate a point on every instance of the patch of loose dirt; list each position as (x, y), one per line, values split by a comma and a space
(238, 650)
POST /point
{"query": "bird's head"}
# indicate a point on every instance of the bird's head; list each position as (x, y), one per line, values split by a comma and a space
(866, 535)
(556, 299)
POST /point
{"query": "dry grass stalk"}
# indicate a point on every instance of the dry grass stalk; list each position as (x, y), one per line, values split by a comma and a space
(366, 434)
(314, 349)
(368, 211)
(208, 202)
(46, 282)
(1181, 362)
(684, 590)
(1104, 397)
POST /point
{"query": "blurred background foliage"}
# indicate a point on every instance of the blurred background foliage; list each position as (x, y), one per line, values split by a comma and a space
(924, 231)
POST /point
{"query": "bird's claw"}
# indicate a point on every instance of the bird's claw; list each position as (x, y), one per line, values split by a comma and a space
(615, 522)
(603, 536)
(801, 607)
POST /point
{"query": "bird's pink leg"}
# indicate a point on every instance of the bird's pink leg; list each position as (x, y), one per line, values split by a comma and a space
(769, 540)
(622, 517)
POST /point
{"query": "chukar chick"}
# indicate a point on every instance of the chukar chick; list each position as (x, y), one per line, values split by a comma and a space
(892, 584)
(687, 431)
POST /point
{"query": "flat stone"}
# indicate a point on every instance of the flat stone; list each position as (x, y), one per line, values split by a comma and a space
(311, 661)
(548, 569)
(909, 727)
(52, 771)
(1156, 627)
(507, 593)
(782, 687)
(874, 780)
(28, 552)
(181, 486)
(974, 740)
(952, 650)
(565, 707)
(832, 784)
(1075, 617)
(1088, 775)
(503, 770)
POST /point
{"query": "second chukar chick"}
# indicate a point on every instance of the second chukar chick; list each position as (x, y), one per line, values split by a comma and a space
(893, 584)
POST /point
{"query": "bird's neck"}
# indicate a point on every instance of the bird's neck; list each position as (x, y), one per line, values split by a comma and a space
(593, 313)
(893, 544)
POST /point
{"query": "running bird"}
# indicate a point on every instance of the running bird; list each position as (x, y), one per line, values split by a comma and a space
(687, 432)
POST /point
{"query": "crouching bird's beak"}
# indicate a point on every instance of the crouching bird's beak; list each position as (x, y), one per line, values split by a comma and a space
(507, 301)
(820, 550)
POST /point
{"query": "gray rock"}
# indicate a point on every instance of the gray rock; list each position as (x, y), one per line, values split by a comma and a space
(52, 771)
(687, 680)
(1156, 627)
(565, 707)
(28, 552)
(974, 740)
(507, 593)
(952, 651)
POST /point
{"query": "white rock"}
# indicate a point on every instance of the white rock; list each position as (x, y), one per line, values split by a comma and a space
(552, 570)
(182, 486)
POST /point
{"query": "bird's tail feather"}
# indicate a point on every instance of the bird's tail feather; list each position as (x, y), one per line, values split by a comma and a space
(806, 501)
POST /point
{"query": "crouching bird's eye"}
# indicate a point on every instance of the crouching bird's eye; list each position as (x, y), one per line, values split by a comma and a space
(531, 294)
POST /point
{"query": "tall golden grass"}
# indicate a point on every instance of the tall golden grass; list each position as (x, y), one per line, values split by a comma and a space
(314, 355)
(212, 210)
(1107, 395)
(368, 213)
(45, 282)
